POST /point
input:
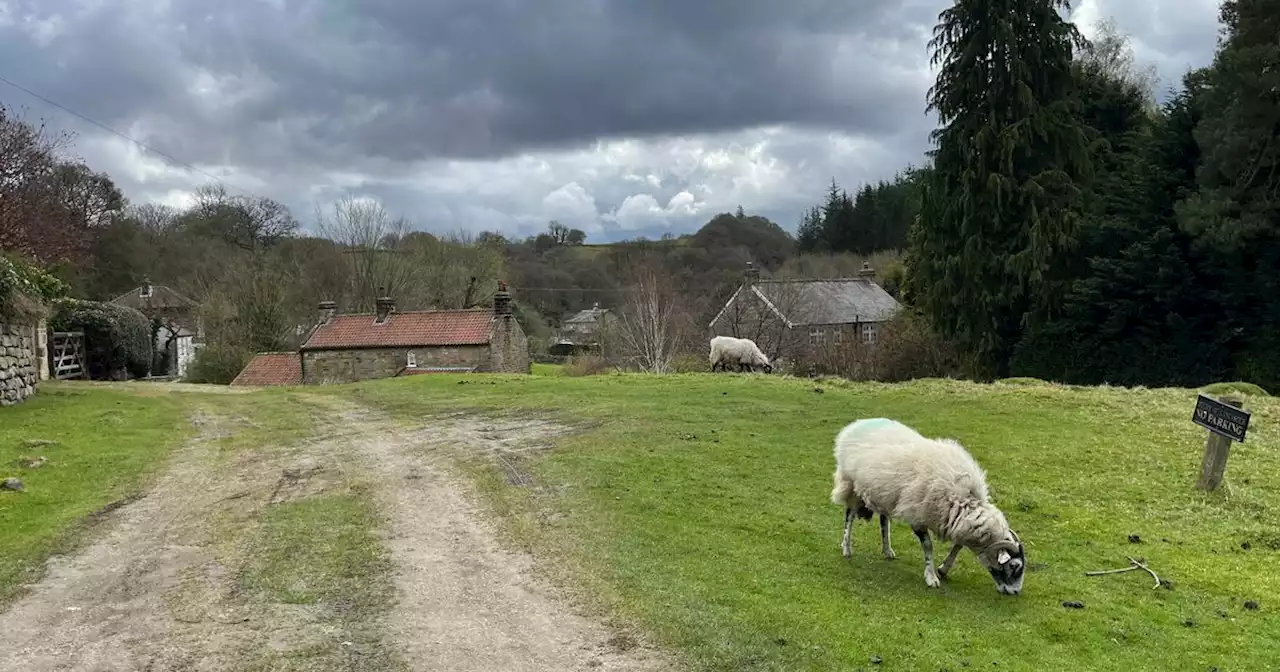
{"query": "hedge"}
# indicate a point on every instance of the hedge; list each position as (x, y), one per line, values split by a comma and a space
(118, 340)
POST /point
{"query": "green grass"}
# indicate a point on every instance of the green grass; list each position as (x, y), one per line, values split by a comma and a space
(324, 551)
(1238, 388)
(697, 507)
(101, 446)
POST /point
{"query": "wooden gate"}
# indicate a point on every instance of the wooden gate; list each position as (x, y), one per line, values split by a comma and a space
(66, 354)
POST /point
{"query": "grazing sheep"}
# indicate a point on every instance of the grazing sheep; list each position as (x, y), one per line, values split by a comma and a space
(741, 352)
(884, 467)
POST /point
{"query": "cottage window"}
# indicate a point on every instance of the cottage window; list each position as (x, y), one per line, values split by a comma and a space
(869, 333)
(815, 336)
(411, 361)
(838, 336)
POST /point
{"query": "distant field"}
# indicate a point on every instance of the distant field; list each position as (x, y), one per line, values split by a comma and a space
(696, 505)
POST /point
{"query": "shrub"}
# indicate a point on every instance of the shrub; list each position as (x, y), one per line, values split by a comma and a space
(585, 365)
(117, 339)
(24, 289)
(910, 349)
(217, 364)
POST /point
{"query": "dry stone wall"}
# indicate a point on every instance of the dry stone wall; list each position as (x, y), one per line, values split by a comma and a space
(19, 364)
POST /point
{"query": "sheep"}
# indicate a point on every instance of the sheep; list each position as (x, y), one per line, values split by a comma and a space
(884, 467)
(726, 350)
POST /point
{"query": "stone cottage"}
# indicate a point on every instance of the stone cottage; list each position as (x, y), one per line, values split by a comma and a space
(387, 343)
(802, 318)
(181, 330)
(581, 331)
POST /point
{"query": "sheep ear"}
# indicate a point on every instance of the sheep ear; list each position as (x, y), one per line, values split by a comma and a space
(1003, 556)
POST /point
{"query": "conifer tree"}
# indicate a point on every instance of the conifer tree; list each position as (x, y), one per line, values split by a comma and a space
(999, 209)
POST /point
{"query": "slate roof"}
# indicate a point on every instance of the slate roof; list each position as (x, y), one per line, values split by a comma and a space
(161, 297)
(271, 368)
(837, 301)
(413, 329)
(588, 316)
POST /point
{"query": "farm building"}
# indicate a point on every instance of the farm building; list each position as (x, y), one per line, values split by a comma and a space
(581, 331)
(271, 368)
(387, 343)
(798, 318)
(181, 330)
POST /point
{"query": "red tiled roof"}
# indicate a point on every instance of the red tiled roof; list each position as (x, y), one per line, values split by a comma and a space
(272, 368)
(412, 329)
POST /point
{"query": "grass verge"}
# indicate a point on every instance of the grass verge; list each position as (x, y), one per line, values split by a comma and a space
(323, 551)
(100, 445)
(698, 508)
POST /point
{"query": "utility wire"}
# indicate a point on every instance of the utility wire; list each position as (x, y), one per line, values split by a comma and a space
(135, 141)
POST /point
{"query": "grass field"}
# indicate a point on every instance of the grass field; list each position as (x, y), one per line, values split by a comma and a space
(696, 506)
(100, 447)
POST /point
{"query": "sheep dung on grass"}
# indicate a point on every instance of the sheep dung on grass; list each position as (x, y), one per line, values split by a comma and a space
(740, 352)
(934, 485)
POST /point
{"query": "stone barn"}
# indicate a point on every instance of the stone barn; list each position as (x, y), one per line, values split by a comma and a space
(387, 343)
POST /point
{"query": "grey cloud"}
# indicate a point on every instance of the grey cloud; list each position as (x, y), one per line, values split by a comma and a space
(462, 78)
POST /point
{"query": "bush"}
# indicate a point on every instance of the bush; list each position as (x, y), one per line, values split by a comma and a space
(217, 364)
(910, 349)
(24, 289)
(585, 365)
(117, 339)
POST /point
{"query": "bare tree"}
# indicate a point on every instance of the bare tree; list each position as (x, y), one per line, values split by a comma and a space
(651, 324)
(1111, 54)
(370, 236)
(250, 223)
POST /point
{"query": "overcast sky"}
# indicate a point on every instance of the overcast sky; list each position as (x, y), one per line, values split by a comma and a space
(619, 117)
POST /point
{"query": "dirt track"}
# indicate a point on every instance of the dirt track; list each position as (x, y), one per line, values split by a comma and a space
(157, 590)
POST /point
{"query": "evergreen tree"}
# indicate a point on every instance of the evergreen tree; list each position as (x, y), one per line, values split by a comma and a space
(1235, 216)
(998, 213)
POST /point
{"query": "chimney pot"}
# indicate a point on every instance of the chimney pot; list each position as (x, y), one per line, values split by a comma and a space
(753, 274)
(867, 272)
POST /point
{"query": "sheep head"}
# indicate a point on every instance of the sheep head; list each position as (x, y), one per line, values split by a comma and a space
(1006, 561)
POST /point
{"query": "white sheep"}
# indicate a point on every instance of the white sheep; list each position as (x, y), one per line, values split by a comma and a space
(884, 467)
(741, 352)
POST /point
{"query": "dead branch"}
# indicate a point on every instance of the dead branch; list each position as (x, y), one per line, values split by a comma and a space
(1134, 565)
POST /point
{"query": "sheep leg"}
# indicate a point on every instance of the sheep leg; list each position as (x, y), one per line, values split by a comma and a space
(884, 538)
(930, 574)
(846, 544)
(949, 561)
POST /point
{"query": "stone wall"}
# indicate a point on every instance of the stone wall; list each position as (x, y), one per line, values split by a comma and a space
(347, 366)
(19, 363)
(510, 350)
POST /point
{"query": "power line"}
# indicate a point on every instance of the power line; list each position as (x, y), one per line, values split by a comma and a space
(135, 141)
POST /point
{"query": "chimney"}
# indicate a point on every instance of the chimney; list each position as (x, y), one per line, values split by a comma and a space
(866, 272)
(385, 305)
(146, 287)
(327, 311)
(596, 307)
(502, 300)
(753, 274)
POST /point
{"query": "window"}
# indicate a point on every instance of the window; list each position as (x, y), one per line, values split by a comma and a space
(869, 333)
(815, 336)
(838, 336)
(411, 361)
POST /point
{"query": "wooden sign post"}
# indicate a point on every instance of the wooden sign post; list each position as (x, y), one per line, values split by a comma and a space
(1226, 421)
